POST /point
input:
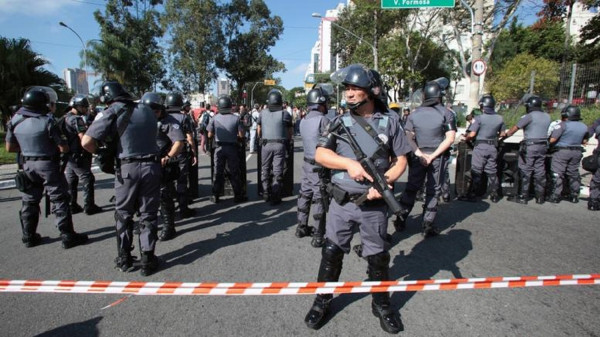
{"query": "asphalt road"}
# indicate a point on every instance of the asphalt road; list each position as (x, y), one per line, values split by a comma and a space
(254, 242)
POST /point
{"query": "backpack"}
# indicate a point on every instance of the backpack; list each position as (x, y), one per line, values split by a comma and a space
(203, 123)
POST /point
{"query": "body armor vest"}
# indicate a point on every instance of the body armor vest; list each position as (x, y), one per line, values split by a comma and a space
(142, 127)
(272, 127)
(573, 133)
(33, 134)
(538, 128)
(310, 130)
(226, 128)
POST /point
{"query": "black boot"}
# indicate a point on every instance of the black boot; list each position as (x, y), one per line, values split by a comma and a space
(594, 205)
(89, 205)
(124, 262)
(540, 199)
(555, 199)
(184, 211)
(304, 230)
(574, 198)
(429, 229)
(92, 209)
(378, 270)
(75, 208)
(68, 235)
(521, 199)
(318, 240)
(168, 230)
(329, 271)
(149, 263)
(29, 221)
(494, 198)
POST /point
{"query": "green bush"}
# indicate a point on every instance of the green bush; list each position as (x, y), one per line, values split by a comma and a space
(5, 156)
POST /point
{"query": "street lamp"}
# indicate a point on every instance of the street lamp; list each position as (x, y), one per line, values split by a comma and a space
(375, 57)
(84, 50)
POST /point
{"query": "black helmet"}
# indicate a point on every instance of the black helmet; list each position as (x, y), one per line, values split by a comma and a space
(36, 99)
(174, 100)
(378, 88)
(79, 100)
(317, 96)
(487, 101)
(153, 100)
(432, 90)
(225, 104)
(187, 103)
(112, 91)
(274, 100)
(572, 112)
(533, 102)
(358, 75)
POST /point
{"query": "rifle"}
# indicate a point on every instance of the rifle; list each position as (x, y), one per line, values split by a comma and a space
(325, 180)
(379, 181)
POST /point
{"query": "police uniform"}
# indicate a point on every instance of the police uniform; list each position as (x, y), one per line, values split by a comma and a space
(488, 127)
(429, 124)
(533, 153)
(169, 132)
(184, 164)
(38, 136)
(274, 128)
(594, 201)
(226, 127)
(312, 126)
(137, 181)
(79, 165)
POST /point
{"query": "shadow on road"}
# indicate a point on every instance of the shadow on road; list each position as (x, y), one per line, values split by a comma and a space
(85, 328)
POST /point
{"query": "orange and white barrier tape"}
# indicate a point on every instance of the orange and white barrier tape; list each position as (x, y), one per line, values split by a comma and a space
(290, 288)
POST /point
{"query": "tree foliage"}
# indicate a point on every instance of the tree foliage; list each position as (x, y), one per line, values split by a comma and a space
(129, 51)
(512, 81)
(195, 42)
(249, 31)
(21, 67)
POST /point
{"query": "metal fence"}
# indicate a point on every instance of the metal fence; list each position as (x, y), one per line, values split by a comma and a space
(579, 84)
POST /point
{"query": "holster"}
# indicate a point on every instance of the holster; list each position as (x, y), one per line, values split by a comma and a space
(171, 171)
(523, 151)
(22, 181)
(339, 195)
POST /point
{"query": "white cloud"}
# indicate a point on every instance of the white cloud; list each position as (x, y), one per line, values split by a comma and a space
(33, 7)
(299, 69)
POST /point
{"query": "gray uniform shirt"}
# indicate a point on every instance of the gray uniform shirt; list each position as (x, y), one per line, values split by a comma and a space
(74, 125)
(487, 126)
(312, 126)
(570, 133)
(225, 128)
(429, 124)
(37, 135)
(169, 132)
(535, 125)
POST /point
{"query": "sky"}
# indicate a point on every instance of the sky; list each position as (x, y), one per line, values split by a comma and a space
(38, 21)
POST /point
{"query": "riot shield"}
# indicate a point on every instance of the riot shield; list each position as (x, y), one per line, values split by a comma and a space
(508, 168)
(462, 178)
(193, 175)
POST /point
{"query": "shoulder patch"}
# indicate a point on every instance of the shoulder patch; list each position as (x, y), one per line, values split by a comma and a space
(176, 126)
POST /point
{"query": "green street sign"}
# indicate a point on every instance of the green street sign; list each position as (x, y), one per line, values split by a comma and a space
(404, 4)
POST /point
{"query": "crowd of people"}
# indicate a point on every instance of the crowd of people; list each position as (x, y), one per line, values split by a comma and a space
(350, 164)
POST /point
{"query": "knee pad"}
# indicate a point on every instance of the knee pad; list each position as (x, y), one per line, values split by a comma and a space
(332, 253)
(318, 216)
(380, 260)
(150, 225)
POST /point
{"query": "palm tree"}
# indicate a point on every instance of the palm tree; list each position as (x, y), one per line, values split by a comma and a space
(21, 67)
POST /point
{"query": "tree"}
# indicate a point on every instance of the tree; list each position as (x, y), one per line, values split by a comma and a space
(128, 51)
(512, 81)
(21, 67)
(249, 32)
(196, 40)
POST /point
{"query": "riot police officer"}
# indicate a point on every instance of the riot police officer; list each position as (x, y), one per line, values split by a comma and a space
(174, 104)
(532, 152)
(312, 126)
(567, 139)
(276, 130)
(594, 201)
(387, 148)
(137, 179)
(33, 132)
(79, 164)
(430, 129)
(228, 134)
(169, 140)
(485, 130)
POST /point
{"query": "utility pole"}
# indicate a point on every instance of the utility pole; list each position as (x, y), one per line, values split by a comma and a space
(477, 46)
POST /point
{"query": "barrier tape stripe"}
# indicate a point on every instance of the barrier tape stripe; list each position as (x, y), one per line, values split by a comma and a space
(289, 288)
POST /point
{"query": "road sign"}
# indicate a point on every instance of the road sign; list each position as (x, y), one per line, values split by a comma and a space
(404, 4)
(269, 82)
(479, 67)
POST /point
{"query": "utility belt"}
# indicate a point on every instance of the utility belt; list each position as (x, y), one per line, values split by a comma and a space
(129, 160)
(226, 143)
(534, 142)
(310, 161)
(568, 148)
(487, 141)
(41, 158)
(342, 197)
(267, 141)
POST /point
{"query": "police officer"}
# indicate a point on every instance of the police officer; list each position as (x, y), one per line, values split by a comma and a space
(170, 141)
(534, 146)
(430, 129)
(594, 200)
(137, 180)
(228, 134)
(276, 130)
(388, 150)
(312, 126)
(485, 130)
(174, 104)
(33, 132)
(79, 164)
(568, 138)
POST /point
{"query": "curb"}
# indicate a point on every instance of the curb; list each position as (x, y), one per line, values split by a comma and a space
(10, 183)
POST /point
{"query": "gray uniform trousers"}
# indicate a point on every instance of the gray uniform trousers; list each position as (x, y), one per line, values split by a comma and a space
(81, 169)
(184, 173)
(371, 222)
(533, 163)
(137, 187)
(310, 193)
(484, 159)
(566, 161)
(272, 156)
(227, 154)
(416, 176)
(45, 174)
